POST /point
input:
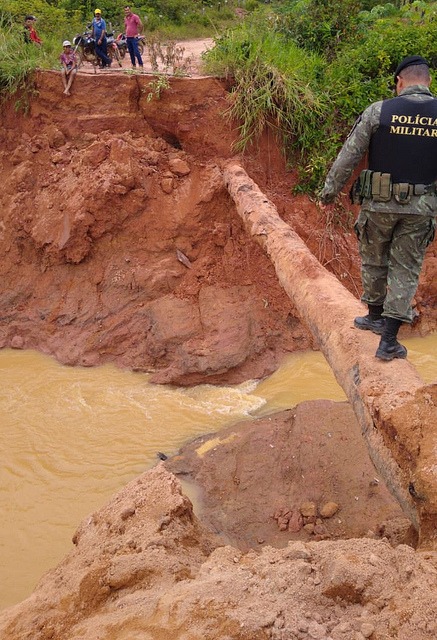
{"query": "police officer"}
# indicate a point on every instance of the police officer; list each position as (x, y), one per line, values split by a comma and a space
(398, 199)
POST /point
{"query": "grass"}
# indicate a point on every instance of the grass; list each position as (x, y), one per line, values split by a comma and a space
(274, 85)
(19, 59)
(16, 58)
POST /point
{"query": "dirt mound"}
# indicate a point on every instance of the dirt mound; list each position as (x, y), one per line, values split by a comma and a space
(303, 474)
(143, 567)
(118, 231)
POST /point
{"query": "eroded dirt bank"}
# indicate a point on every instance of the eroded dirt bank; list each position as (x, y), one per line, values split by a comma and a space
(120, 239)
(255, 477)
(121, 244)
(115, 221)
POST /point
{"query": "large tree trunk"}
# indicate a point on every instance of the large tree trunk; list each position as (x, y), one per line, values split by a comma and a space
(396, 411)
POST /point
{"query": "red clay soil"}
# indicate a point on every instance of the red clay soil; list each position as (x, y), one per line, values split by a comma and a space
(115, 220)
(121, 244)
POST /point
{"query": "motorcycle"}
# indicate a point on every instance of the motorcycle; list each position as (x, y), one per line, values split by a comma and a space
(113, 50)
(121, 41)
(84, 48)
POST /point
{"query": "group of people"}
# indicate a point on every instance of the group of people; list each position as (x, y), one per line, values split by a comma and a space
(133, 26)
(68, 59)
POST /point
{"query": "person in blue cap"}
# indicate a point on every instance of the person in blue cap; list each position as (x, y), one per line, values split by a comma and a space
(398, 199)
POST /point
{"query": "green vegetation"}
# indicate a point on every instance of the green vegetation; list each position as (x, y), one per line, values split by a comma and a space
(272, 84)
(17, 59)
(308, 68)
(156, 87)
(305, 68)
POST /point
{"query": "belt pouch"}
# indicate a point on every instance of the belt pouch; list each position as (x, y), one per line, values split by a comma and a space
(366, 183)
(385, 192)
(376, 185)
(355, 192)
(401, 192)
(381, 187)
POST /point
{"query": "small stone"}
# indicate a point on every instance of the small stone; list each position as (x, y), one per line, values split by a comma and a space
(127, 513)
(295, 523)
(367, 629)
(167, 185)
(320, 530)
(17, 342)
(308, 509)
(329, 509)
(179, 167)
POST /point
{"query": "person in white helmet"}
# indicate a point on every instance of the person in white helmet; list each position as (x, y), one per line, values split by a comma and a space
(69, 66)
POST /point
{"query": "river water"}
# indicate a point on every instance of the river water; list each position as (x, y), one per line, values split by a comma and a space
(71, 437)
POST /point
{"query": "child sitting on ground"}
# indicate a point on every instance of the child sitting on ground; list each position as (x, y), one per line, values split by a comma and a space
(69, 66)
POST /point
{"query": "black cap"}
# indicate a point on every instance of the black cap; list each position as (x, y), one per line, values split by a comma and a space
(409, 61)
(30, 18)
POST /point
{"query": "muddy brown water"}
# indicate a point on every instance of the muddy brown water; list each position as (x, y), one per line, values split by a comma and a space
(71, 437)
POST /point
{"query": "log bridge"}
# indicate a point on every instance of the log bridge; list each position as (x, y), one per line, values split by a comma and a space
(396, 411)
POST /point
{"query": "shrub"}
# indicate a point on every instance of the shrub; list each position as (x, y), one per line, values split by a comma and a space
(319, 26)
(272, 84)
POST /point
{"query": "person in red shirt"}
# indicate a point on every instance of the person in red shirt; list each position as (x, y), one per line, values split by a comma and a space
(30, 34)
(133, 27)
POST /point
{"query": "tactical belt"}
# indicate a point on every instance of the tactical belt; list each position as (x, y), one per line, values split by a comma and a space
(402, 191)
(421, 189)
(379, 187)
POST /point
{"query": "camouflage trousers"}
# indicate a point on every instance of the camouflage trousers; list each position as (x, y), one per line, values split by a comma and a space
(392, 248)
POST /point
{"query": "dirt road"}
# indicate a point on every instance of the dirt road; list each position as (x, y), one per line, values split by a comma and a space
(182, 57)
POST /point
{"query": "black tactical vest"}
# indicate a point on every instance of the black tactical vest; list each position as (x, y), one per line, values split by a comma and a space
(405, 144)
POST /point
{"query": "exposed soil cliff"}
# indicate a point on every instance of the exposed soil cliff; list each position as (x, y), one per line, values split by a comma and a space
(120, 242)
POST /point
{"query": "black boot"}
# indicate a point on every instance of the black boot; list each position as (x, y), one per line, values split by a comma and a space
(373, 321)
(389, 348)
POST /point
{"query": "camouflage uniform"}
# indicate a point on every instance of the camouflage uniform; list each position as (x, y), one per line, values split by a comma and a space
(392, 236)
